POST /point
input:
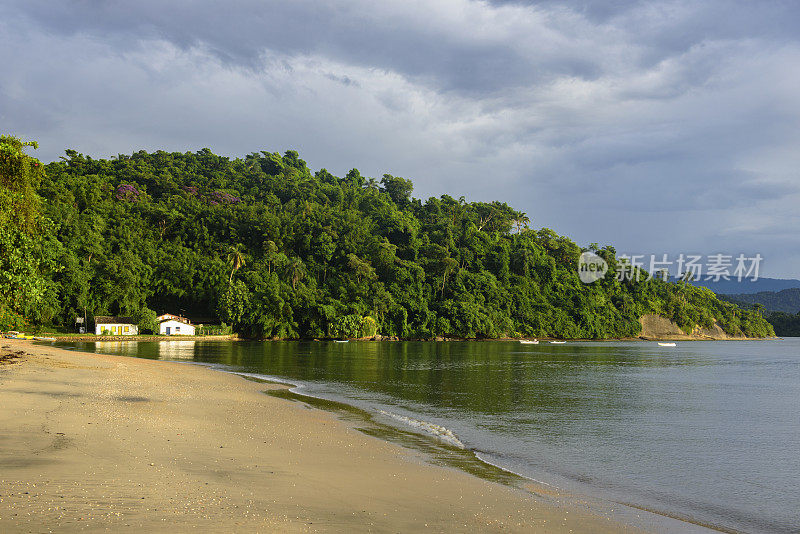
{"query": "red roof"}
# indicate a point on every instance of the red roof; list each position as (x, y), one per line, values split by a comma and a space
(170, 317)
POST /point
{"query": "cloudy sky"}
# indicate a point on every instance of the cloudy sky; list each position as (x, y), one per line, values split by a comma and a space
(658, 127)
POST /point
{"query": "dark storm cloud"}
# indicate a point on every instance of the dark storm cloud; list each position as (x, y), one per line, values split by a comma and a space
(437, 51)
(426, 42)
(604, 120)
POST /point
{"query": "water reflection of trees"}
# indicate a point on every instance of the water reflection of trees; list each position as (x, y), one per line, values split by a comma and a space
(479, 377)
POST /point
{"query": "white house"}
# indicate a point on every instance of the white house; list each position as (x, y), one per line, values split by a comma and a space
(174, 325)
(115, 326)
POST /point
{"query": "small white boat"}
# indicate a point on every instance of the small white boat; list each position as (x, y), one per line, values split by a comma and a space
(558, 342)
(341, 341)
(529, 341)
(39, 338)
(666, 344)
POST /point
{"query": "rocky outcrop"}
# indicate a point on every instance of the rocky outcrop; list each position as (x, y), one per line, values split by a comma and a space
(660, 328)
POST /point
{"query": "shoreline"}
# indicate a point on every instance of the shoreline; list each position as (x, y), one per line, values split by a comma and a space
(653, 328)
(96, 441)
(233, 337)
(476, 464)
(143, 337)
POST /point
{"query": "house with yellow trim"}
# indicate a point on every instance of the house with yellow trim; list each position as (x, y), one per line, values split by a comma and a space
(115, 326)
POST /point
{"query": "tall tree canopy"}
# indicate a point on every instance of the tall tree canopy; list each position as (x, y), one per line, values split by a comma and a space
(278, 251)
(26, 253)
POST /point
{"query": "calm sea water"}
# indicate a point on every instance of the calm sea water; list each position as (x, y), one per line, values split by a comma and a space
(706, 431)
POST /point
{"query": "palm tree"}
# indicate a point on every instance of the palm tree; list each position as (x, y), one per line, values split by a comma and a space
(522, 222)
(236, 259)
(296, 271)
(371, 184)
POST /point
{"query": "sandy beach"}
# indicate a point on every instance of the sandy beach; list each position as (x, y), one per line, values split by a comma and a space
(92, 443)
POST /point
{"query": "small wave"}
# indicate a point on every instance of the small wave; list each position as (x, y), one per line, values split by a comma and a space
(439, 431)
(294, 387)
(484, 457)
(259, 376)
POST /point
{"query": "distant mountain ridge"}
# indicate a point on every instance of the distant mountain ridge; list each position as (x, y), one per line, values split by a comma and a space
(746, 287)
(787, 301)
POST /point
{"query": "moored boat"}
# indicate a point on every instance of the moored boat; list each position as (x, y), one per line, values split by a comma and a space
(17, 335)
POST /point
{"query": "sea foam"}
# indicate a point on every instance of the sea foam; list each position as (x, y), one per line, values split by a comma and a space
(443, 433)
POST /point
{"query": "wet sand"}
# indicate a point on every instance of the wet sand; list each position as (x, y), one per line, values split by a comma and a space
(92, 442)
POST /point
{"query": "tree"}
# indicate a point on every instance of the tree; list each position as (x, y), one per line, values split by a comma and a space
(398, 189)
(20, 175)
(234, 304)
(270, 254)
(23, 286)
(522, 222)
(361, 269)
(296, 271)
(371, 184)
(236, 259)
(147, 320)
(369, 327)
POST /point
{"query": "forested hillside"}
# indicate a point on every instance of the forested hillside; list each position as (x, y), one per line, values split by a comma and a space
(781, 309)
(785, 324)
(277, 251)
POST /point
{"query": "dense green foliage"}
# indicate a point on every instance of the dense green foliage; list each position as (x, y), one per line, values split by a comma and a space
(785, 324)
(781, 308)
(26, 253)
(266, 245)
